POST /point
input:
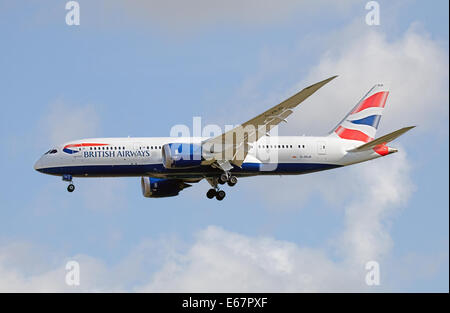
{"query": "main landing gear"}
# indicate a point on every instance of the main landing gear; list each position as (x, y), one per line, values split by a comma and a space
(219, 194)
(68, 178)
(227, 178)
(222, 179)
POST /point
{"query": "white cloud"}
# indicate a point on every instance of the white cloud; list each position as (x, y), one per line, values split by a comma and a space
(414, 68)
(222, 261)
(218, 260)
(20, 272)
(380, 188)
(28, 268)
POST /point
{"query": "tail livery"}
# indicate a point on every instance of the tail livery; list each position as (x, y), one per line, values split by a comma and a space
(362, 122)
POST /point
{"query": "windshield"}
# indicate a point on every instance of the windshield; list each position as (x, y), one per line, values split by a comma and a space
(51, 151)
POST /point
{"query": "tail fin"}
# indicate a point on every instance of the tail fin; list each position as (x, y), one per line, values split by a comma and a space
(362, 121)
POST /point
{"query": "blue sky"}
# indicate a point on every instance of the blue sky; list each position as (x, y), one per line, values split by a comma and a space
(137, 68)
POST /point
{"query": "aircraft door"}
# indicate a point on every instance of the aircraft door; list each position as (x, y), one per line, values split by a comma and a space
(321, 148)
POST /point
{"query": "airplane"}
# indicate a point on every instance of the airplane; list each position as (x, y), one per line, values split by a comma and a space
(167, 165)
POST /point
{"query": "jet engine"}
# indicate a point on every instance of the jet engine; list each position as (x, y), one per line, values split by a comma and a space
(160, 187)
(181, 155)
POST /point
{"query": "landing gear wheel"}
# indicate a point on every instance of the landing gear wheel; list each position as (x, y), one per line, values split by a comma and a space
(71, 188)
(232, 181)
(223, 178)
(220, 195)
(211, 193)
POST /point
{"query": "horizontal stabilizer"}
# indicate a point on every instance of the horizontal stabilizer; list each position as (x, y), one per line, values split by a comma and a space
(382, 140)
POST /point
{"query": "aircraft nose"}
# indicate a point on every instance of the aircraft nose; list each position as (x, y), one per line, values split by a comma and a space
(38, 165)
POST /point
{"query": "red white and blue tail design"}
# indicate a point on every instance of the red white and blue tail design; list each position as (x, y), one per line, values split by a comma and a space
(362, 122)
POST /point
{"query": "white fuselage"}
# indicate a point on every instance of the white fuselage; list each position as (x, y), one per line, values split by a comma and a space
(274, 155)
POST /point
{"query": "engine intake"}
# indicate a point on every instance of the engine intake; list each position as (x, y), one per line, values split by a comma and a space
(181, 155)
(160, 187)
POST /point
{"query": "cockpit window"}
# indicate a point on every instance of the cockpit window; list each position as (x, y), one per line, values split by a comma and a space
(51, 151)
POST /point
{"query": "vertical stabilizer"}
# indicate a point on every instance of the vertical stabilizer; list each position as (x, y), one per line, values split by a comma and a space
(361, 123)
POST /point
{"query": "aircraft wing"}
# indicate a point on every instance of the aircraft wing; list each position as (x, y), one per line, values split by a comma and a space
(232, 146)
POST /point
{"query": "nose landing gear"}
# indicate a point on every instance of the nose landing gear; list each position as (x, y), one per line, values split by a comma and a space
(68, 178)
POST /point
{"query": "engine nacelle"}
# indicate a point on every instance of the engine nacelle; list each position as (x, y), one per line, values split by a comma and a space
(181, 155)
(160, 187)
